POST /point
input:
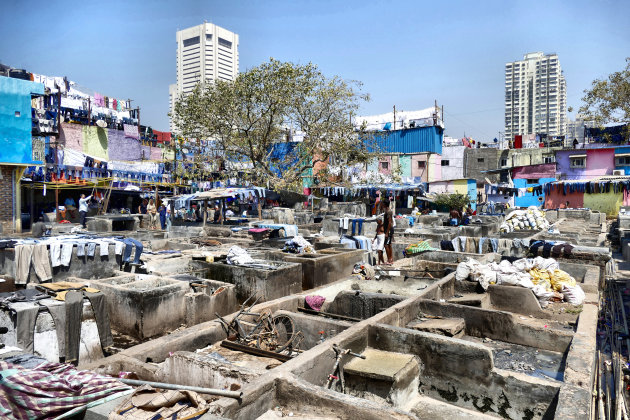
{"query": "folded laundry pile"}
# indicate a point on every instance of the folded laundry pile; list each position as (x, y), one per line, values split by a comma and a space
(542, 275)
(530, 219)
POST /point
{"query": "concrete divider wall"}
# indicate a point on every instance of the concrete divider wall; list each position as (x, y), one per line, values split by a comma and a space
(361, 305)
(324, 267)
(216, 298)
(311, 327)
(189, 339)
(285, 280)
(499, 325)
(445, 357)
(144, 306)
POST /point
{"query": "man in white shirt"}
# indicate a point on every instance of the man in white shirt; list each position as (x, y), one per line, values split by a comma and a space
(83, 208)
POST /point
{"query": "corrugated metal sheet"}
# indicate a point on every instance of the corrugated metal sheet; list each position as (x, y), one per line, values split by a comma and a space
(412, 140)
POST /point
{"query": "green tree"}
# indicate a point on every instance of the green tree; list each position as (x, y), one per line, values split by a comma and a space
(252, 119)
(455, 201)
(608, 100)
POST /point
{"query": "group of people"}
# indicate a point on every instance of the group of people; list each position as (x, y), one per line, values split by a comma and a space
(456, 217)
(153, 211)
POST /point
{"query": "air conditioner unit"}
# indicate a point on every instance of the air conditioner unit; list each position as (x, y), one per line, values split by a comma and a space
(618, 172)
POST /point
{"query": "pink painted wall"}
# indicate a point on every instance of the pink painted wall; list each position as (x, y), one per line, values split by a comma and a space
(387, 159)
(435, 174)
(421, 172)
(432, 170)
(600, 162)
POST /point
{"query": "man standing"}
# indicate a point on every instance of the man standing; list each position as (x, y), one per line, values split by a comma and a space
(455, 217)
(162, 213)
(388, 227)
(83, 208)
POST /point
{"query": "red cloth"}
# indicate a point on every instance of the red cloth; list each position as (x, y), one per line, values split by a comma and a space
(162, 136)
(518, 142)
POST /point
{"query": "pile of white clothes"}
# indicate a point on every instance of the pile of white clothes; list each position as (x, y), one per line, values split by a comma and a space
(238, 256)
(542, 275)
(299, 245)
(531, 219)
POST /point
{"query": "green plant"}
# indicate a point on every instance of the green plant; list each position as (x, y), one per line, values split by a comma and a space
(455, 201)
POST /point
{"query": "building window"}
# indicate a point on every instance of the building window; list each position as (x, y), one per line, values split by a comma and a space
(191, 41)
(208, 37)
(578, 162)
(421, 164)
(549, 159)
(622, 160)
(480, 160)
(225, 43)
(444, 162)
(17, 113)
(504, 162)
(532, 181)
(384, 165)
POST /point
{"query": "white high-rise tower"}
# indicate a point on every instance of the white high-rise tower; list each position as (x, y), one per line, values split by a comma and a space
(535, 96)
(205, 53)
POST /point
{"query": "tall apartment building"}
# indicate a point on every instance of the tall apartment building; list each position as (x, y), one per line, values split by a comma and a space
(205, 53)
(535, 96)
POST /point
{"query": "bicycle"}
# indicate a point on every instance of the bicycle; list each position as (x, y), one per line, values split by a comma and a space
(270, 333)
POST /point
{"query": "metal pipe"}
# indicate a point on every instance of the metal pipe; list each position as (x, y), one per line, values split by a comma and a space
(211, 391)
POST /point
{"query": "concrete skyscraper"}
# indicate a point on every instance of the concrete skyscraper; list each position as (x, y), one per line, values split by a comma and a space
(205, 53)
(535, 96)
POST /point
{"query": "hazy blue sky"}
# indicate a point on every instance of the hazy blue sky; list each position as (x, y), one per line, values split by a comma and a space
(407, 53)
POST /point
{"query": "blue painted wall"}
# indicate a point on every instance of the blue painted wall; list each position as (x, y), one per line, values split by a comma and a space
(411, 140)
(619, 151)
(530, 199)
(16, 144)
(472, 193)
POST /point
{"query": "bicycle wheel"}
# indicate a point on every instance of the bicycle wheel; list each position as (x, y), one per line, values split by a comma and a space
(278, 335)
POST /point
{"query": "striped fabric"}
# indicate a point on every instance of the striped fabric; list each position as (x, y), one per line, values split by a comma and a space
(49, 390)
(422, 246)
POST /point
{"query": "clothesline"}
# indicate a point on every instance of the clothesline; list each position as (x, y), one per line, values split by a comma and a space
(357, 190)
(588, 187)
(57, 251)
(513, 192)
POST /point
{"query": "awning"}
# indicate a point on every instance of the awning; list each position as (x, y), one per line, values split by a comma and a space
(577, 156)
(622, 154)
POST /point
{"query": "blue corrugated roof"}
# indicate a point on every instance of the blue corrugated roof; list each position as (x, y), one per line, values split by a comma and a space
(411, 140)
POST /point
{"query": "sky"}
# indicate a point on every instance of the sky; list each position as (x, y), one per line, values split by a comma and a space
(406, 53)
